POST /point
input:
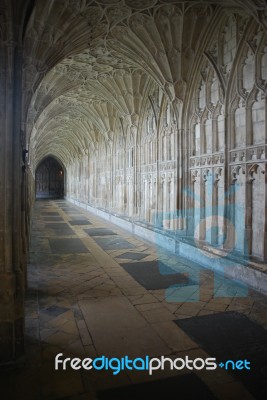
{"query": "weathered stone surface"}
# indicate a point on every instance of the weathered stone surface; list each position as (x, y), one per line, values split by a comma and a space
(156, 113)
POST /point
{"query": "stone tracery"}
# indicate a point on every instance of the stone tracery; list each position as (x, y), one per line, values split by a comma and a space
(139, 64)
(155, 108)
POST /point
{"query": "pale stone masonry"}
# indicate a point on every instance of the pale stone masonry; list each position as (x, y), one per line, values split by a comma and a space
(85, 304)
(155, 112)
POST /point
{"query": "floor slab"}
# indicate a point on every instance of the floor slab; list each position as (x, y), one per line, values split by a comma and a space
(111, 243)
(100, 232)
(80, 222)
(232, 336)
(67, 246)
(81, 302)
(132, 256)
(118, 329)
(154, 275)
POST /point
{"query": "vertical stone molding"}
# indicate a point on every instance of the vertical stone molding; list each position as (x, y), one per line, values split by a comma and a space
(13, 235)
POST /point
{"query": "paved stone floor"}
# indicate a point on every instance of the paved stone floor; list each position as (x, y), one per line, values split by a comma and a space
(95, 289)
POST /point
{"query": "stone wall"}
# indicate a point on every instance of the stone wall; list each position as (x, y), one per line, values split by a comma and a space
(197, 167)
(156, 111)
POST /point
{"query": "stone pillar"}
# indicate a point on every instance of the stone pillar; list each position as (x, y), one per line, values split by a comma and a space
(248, 218)
(12, 258)
(265, 216)
(265, 199)
(215, 211)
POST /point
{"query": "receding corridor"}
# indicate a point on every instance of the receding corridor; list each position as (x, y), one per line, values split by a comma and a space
(87, 298)
(133, 188)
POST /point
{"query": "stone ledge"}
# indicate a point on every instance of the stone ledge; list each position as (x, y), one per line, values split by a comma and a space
(242, 271)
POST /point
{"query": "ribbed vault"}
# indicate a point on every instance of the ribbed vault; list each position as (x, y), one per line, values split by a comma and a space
(89, 65)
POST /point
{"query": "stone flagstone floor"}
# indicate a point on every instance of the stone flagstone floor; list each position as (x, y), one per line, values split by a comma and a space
(90, 294)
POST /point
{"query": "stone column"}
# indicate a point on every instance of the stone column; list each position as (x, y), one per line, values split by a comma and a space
(12, 258)
(265, 199)
(265, 215)
(248, 218)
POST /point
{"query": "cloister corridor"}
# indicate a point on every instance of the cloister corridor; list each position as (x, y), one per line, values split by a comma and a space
(94, 289)
(133, 192)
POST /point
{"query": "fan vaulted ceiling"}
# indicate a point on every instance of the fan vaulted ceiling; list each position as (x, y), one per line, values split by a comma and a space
(90, 64)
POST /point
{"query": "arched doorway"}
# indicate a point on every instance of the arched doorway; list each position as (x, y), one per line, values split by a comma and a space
(49, 179)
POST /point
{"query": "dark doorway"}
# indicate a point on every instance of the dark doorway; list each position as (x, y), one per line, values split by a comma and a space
(49, 180)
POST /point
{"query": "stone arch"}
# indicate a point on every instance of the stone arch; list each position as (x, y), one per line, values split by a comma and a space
(49, 179)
